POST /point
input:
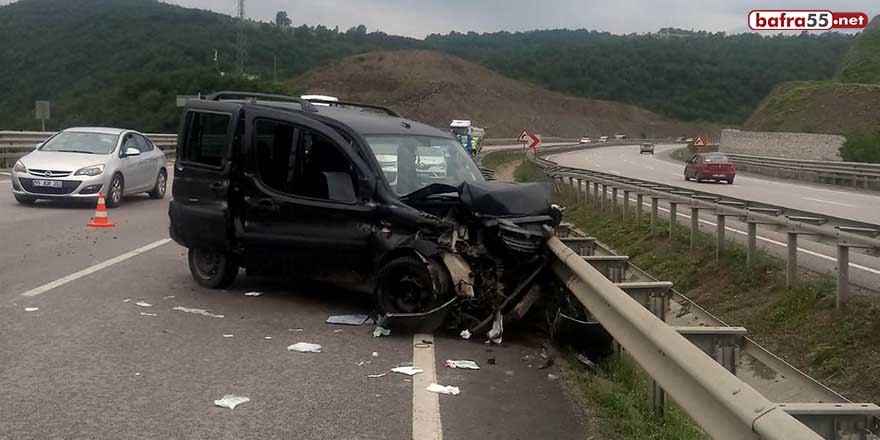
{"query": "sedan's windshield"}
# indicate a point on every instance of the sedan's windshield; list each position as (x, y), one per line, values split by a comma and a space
(414, 162)
(81, 142)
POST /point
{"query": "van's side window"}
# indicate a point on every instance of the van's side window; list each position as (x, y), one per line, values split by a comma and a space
(299, 161)
(205, 141)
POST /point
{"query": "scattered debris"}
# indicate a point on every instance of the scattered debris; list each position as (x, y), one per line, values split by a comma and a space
(545, 363)
(294, 329)
(465, 334)
(228, 336)
(509, 372)
(168, 297)
(551, 376)
(409, 371)
(137, 374)
(339, 330)
(143, 304)
(421, 345)
(587, 362)
(31, 309)
(375, 354)
(197, 311)
(491, 361)
(360, 363)
(381, 331)
(126, 300)
(373, 376)
(427, 341)
(253, 293)
(497, 328)
(443, 389)
(267, 337)
(347, 319)
(304, 347)
(464, 364)
(231, 401)
(149, 314)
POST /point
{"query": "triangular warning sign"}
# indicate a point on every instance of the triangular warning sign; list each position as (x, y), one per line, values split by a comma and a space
(700, 141)
(523, 137)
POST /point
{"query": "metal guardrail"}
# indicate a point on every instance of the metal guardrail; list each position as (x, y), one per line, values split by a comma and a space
(846, 234)
(15, 144)
(859, 174)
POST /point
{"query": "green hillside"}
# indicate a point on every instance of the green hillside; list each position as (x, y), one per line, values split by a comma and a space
(862, 62)
(121, 62)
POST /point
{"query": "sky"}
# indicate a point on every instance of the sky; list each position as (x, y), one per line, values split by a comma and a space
(418, 18)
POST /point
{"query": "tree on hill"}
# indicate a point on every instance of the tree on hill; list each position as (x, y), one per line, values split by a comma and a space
(282, 20)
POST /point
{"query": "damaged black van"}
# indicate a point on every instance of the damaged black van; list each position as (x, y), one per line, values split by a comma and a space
(356, 195)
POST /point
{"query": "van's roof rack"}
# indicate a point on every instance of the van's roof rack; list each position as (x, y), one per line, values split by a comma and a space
(226, 94)
(335, 103)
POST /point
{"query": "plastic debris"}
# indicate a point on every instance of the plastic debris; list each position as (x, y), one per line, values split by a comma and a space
(137, 374)
(31, 309)
(267, 338)
(497, 328)
(228, 336)
(149, 314)
(373, 376)
(339, 330)
(231, 401)
(443, 389)
(375, 354)
(253, 293)
(360, 363)
(409, 371)
(510, 372)
(126, 300)
(143, 304)
(465, 334)
(168, 297)
(381, 331)
(491, 361)
(464, 364)
(295, 330)
(197, 311)
(347, 319)
(551, 376)
(304, 347)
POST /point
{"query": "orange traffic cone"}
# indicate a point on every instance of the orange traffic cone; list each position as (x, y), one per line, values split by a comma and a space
(101, 220)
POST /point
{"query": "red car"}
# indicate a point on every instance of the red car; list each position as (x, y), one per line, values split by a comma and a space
(710, 166)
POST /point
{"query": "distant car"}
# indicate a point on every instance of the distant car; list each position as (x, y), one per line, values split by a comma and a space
(619, 137)
(431, 163)
(585, 140)
(709, 166)
(646, 148)
(80, 163)
(603, 139)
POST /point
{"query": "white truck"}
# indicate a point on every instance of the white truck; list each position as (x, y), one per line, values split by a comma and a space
(470, 137)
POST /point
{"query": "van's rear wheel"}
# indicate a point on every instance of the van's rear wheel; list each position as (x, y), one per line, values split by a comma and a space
(212, 269)
(410, 285)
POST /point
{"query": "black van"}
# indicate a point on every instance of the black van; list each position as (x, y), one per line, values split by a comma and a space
(353, 194)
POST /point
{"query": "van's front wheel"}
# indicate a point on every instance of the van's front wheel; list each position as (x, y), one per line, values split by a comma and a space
(411, 285)
(212, 269)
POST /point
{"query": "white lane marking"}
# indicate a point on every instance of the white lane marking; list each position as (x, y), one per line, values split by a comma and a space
(772, 241)
(90, 270)
(828, 201)
(426, 423)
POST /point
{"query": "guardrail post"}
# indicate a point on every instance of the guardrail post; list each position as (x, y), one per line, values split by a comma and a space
(673, 218)
(654, 211)
(586, 191)
(595, 194)
(842, 275)
(751, 243)
(604, 197)
(719, 232)
(695, 225)
(791, 269)
(658, 399)
(577, 190)
(613, 201)
(640, 201)
(625, 203)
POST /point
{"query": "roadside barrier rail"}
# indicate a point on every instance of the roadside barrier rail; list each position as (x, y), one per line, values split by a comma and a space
(858, 174)
(15, 144)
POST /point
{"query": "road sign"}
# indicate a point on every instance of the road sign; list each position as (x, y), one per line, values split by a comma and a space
(535, 141)
(42, 112)
(700, 141)
(523, 137)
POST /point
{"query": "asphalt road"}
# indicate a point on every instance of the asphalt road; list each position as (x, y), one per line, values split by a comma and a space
(822, 199)
(90, 363)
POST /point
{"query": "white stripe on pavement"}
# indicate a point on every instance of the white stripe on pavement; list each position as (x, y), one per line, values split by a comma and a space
(828, 201)
(426, 423)
(90, 270)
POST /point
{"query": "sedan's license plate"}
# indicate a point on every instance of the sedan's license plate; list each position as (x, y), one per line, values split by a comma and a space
(48, 183)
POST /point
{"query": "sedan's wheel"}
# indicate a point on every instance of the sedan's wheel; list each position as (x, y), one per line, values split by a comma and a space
(158, 191)
(410, 285)
(698, 177)
(212, 269)
(114, 193)
(730, 181)
(25, 200)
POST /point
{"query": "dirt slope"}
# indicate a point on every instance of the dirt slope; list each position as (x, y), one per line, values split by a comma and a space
(435, 88)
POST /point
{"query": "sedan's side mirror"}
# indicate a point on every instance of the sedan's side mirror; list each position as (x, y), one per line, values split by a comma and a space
(38, 145)
(132, 152)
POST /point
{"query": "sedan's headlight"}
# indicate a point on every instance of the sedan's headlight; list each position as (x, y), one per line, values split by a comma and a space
(19, 167)
(93, 170)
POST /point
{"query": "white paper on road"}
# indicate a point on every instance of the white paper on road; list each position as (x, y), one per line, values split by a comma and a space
(126, 300)
(497, 328)
(375, 354)
(465, 334)
(409, 371)
(443, 389)
(228, 336)
(253, 293)
(143, 304)
(196, 311)
(31, 309)
(231, 401)
(347, 319)
(149, 314)
(381, 331)
(373, 376)
(464, 364)
(304, 347)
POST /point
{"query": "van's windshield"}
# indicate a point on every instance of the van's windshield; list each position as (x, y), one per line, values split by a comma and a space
(414, 162)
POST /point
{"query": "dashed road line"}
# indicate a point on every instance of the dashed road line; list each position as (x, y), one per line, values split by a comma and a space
(92, 269)
(828, 202)
(426, 424)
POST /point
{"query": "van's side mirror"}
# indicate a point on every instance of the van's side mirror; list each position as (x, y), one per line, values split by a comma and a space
(132, 152)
